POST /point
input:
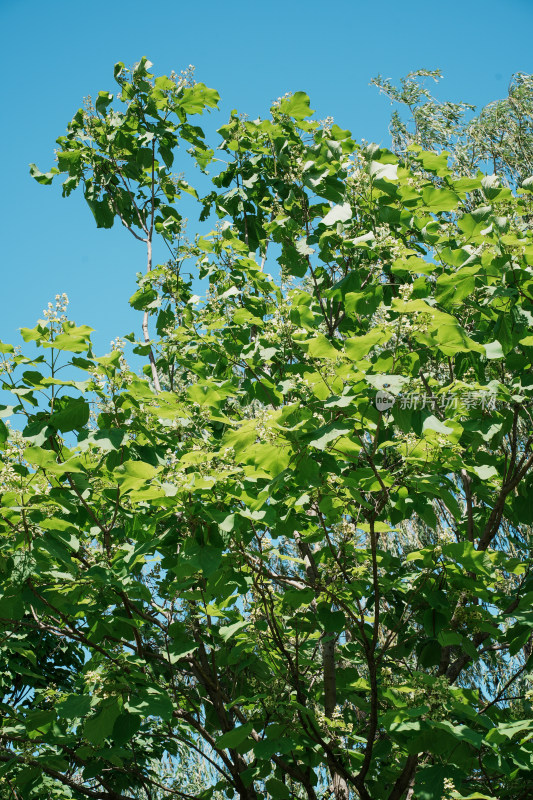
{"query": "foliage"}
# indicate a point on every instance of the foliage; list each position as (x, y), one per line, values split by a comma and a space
(500, 137)
(297, 552)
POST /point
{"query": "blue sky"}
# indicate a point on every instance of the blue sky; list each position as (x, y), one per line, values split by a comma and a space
(55, 53)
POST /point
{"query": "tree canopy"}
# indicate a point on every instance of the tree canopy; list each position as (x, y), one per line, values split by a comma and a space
(292, 558)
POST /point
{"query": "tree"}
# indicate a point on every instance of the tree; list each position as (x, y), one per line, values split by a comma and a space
(500, 137)
(296, 553)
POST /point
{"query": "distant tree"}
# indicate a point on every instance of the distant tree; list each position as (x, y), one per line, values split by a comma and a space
(292, 559)
(499, 138)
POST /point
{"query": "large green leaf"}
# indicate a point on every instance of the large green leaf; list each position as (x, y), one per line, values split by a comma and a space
(235, 737)
(98, 728)
(296, 106)
(75, 706)
(74, 415)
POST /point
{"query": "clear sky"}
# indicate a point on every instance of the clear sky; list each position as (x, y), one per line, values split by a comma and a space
(55, 53)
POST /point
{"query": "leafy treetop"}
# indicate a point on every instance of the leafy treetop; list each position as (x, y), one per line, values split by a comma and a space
(293, 559)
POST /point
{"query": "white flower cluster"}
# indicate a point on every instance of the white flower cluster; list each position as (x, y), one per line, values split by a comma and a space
(381, 316)
(118, 344)
(95, 680)
(8, 360)
(434, 696)
(175, 474)
(202, 416)
(57, 313)
(93, 677)
(99, 380)
(264, 432)
(446, 536)
(419, 322)
(326, 123)
(12, 451)
(279, 326)
(345, 528)
(9, 479)
(386, 238)
(406, 290)
(278, 102)
(405, 324)
(185, 77)
(449, 788)
(409, 439)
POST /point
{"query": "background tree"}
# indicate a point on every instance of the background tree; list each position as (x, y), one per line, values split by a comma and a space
(298, 551)
(499, 138)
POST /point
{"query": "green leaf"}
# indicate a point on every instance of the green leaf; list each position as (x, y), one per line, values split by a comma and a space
(331, 621)
(228, 631)
(11, 606)
(433, 162)
(450, 337)
(340, 213)
(103, 212)
(74, 339)
(437, 200)
(143, 298)
(103, 101)
(296, 106)
(74, 706)
(270, 457)
(453, 288)
(465, 553)
(327, 434)
(133, 474)
(33, 334)
(47, 460)
(432, 423)
(303, 248)
(494, 350)
(507, 730)
(277, 788)
(150, 702)
(429, 782)
(209, 559)
(125, 727)
(321, 347)
(359, 346)
(73, 416)
(486, 472)
(98, 728)
(430, 653)
(44, 178)
(197, 98)
(235, 737)
(380, 171)
(38, 722)
(434, 622)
